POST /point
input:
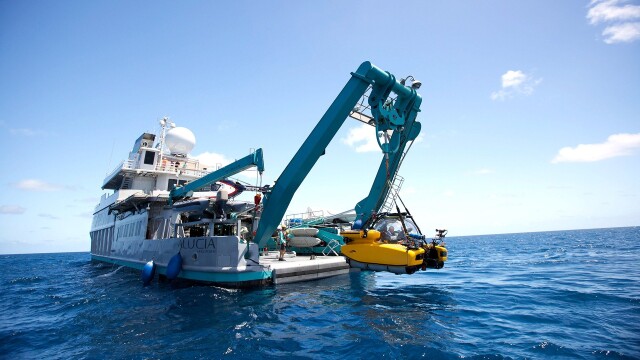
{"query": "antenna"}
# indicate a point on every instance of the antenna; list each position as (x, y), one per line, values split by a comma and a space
(163, 126)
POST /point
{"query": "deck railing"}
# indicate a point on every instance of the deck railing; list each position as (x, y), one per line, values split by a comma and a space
(185, 167)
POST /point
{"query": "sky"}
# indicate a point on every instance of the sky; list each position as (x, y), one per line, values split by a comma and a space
(530, 114)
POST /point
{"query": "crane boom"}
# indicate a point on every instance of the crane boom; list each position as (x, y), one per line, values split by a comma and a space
(405, 108)
(386, 172)
(254, 159)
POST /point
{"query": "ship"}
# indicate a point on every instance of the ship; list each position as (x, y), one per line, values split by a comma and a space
(170, 216)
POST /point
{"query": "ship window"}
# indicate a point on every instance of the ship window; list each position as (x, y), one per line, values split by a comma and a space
(149, 157)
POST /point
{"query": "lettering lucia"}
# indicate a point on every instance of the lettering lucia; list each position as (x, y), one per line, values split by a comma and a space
(206, 244)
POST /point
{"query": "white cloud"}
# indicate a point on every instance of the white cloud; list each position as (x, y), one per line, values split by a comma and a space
(612, 10)
(48, 216)
(513, 78)
(616, 145)
(212, 160)
(515, 82)
(499, 95)
(362, 138)
(620, 17)
(37, 185)
(11, 209)
(626, 32)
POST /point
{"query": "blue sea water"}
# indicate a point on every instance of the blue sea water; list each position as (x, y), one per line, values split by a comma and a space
(563, 295)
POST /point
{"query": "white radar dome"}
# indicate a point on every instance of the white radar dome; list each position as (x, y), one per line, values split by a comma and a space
(180, 140)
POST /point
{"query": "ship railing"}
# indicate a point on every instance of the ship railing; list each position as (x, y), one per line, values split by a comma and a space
(304, 219)
(197, 173)
(126, 164)
(362, 110)
(184, 167)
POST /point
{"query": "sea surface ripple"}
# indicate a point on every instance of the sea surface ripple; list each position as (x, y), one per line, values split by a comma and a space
(562, 295)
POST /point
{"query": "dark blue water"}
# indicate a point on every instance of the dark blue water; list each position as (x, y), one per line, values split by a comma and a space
(565, 295)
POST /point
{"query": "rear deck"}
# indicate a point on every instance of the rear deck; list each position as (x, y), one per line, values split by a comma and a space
(297, 268)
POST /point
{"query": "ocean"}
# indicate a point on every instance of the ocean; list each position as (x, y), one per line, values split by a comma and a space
(562, 295)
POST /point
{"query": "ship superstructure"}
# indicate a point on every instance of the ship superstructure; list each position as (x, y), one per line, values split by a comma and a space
(136, 224)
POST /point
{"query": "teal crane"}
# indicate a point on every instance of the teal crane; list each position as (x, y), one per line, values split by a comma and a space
(254, 159)
(396, 115)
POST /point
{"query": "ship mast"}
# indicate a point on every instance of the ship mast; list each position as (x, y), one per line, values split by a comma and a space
(163, 124)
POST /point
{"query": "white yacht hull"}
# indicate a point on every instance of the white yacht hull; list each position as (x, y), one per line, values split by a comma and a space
(216, 259)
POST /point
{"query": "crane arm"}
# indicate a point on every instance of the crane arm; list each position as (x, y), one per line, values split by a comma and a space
(277, 201)
(254, 159)
(388, 169)
(400, 118)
